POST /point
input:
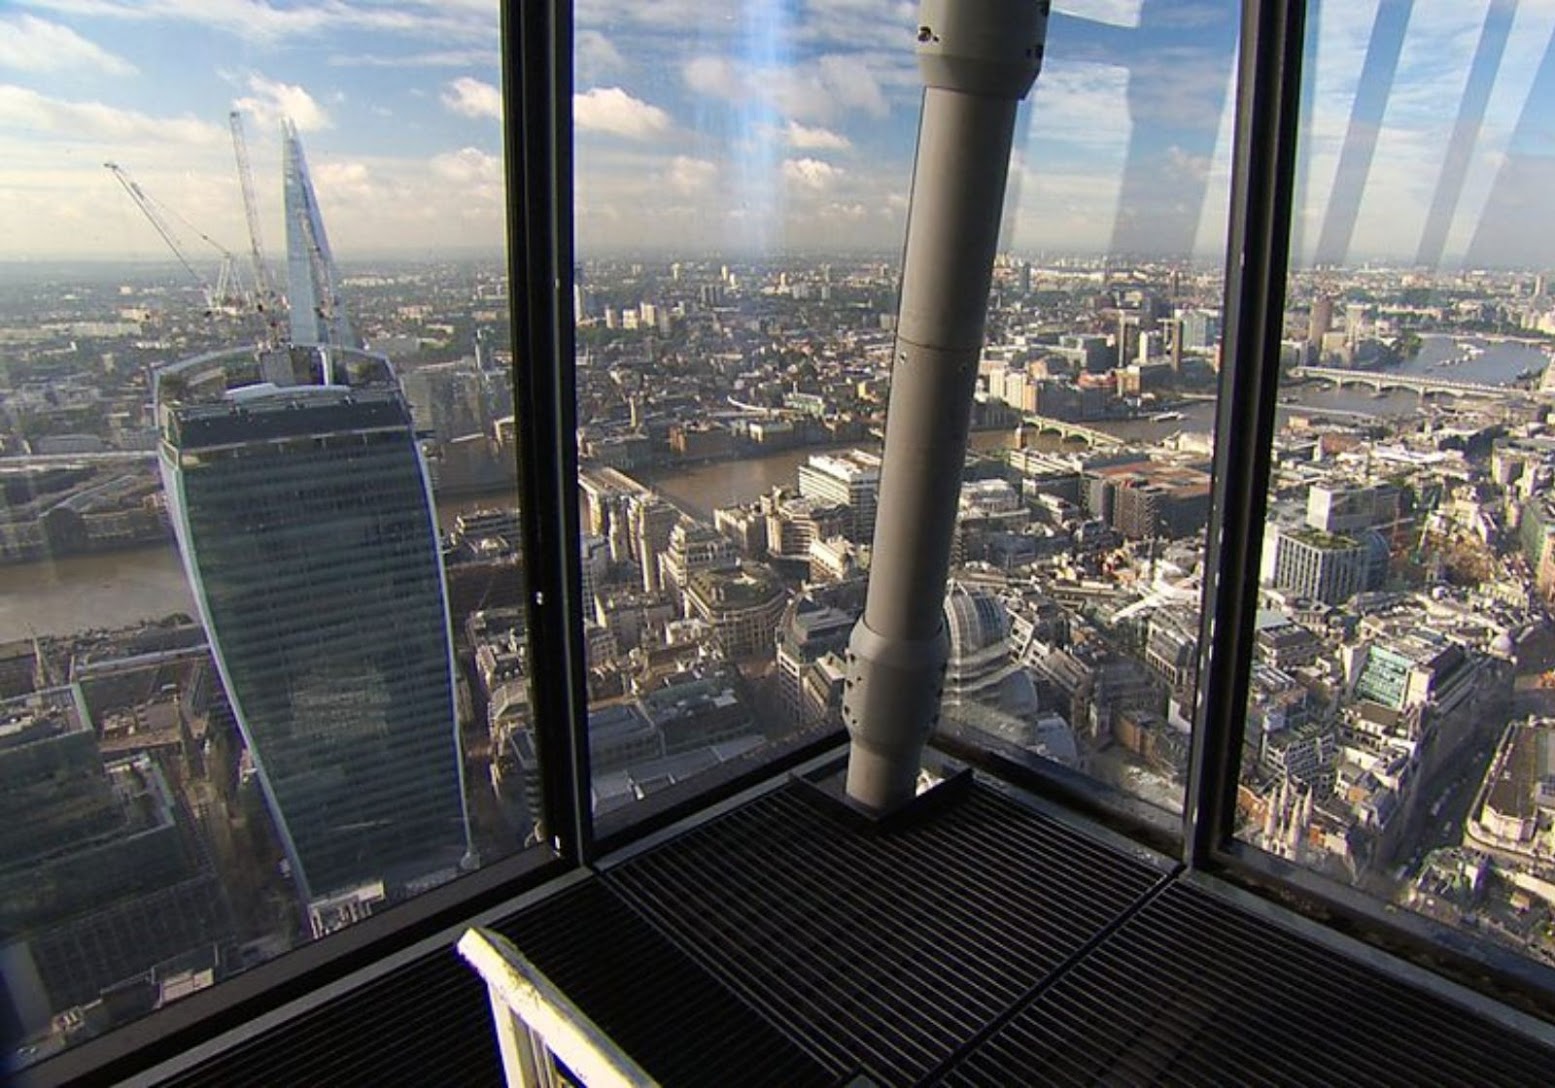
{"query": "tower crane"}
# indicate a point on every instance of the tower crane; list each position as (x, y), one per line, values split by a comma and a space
(217, 297)
(266, 294)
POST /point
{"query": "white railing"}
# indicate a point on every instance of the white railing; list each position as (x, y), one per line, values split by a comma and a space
(537, 1026)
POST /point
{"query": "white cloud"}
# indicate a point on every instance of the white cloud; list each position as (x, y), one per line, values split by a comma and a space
(1187, 164)
(815, 175)
(852, 83)
(471, 172)
(467, 165)
(271, 100)
(30, 44)
(263, 22)
(636, 195)
(27, 109)
(436, 58)
(612, 110)
(472, 98)
(815, 90)
(596, 56)
(861, 23)
(806, 138)
(1078, 107)
(1114, 12)
(716, 76)
(688, 176)
(338, 181)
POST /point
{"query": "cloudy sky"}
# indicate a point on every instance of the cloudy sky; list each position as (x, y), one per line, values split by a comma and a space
(764, 125)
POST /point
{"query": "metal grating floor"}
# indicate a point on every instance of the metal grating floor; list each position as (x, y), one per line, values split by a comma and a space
(658, 1005)
(428, 1022)
(1193, 991)
(989, 945)
(887, 951)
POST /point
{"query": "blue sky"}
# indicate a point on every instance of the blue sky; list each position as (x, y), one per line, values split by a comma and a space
(764, 124)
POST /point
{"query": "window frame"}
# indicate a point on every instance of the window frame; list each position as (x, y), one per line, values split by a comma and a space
(1270, 104)
(537, 77)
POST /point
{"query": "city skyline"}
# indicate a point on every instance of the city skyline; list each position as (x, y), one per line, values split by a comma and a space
(776, 127)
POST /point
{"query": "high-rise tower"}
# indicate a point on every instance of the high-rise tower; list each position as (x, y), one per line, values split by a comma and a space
(303, 512)
(312, 283)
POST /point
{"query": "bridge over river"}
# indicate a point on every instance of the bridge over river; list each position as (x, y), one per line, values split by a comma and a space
(1381, 380)
(1070, 430)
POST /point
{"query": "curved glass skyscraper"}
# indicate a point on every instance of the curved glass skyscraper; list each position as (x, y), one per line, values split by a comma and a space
(303, 513)
(304, 519)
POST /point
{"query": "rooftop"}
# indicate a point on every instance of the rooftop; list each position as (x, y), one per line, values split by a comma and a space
(40, 716)
(1515, 778)
(1317, 538)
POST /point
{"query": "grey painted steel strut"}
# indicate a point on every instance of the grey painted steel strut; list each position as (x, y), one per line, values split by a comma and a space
(978, 59)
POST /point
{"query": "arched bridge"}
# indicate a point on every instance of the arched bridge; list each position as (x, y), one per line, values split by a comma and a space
(1071, 430)
(1385, 379)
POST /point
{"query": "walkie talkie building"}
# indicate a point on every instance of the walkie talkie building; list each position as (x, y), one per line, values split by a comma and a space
(303, 513)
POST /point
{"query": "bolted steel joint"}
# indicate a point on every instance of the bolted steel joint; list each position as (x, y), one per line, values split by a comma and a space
(890, 706)
(984, 47)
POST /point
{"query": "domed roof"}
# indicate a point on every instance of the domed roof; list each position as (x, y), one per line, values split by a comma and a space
(975, 620)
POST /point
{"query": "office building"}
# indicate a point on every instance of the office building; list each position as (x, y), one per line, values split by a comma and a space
(850, 479)
(742, 605)
(692, 548)
(1321, 320)
(101, 880)
(304, 519)
(1143, 499)
(1200, 329)
(1327, 567)
(448, 400)
(302, 508)
(652, 521)
(809, 631)
(1340, 508)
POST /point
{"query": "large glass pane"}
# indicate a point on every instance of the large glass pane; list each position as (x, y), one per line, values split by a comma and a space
(1399, 729)
(1087, 523)
(729, 233)
(259, 569)
(743, 176)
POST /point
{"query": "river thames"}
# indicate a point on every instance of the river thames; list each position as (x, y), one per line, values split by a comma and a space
(119, 589)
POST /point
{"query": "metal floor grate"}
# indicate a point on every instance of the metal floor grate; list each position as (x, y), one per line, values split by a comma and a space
(1193, 991)
(990, 945)
(672, 1017)
(428, 1022)
(889, 951)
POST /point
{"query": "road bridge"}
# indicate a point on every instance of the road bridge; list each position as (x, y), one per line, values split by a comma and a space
(66, 460)
(1381, 380)
(1066, 429)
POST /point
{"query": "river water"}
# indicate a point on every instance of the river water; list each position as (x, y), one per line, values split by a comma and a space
(59, 597)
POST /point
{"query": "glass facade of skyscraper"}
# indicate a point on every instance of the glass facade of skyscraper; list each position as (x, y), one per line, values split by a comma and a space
(303, 517)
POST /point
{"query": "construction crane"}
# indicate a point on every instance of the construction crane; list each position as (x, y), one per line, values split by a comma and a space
(223, 294)
(265, 292)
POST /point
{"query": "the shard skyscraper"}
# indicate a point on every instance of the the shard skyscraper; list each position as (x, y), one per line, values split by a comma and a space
(312, 285)
(303, 511)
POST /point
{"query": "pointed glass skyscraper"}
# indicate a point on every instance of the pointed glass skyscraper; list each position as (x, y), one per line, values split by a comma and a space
(313, 290)
(304, 515)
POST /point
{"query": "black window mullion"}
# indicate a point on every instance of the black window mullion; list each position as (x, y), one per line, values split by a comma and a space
(1257, 255)
(537, 99)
